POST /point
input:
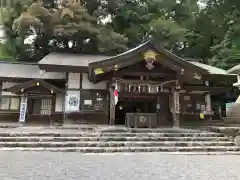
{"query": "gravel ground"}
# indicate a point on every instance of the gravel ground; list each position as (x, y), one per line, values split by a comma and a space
(75, 166)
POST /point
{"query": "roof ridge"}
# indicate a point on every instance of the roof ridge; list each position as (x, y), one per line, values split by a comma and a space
(19, 62)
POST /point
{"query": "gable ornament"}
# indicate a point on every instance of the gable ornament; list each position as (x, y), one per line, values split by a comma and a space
(150, 58)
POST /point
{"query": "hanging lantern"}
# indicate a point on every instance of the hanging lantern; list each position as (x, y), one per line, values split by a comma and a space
(51, 91)
(38, 83)
(115, 67)
(22, 90)
(150, 58)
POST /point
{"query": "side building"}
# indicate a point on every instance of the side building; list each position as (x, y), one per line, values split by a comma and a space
(155, 88)
(233, 114)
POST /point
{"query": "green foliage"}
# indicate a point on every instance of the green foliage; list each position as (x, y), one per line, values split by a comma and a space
(12, 46)
(209, 31)
(69, 22)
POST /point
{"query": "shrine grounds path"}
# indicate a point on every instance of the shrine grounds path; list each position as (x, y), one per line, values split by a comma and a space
(149, 166)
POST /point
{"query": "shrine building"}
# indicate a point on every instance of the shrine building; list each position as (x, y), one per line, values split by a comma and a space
(155, 88)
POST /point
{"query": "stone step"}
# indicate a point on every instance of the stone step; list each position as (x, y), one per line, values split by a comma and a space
(47, 134)
(115, 144)
(94, 134)
(196, 149)
(183, 134)
(148, 130)
(107, 138)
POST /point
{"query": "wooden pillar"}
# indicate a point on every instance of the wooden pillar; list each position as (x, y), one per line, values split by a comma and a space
(208, 101)
(176, 105)
(111, 106)
(1, 87)
(158, 110)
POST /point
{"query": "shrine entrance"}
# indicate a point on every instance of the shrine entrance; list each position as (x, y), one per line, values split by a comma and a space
(178, 91)
(133, 104)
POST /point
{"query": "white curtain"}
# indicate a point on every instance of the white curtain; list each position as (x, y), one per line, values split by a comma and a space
(15, 103)
(5, 103)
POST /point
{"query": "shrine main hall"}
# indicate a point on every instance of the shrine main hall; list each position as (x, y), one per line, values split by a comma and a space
(155, 87)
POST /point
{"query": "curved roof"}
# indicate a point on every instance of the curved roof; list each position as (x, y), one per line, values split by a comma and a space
(210, 69)
(235, 69)
(141, 48)
(26, 70)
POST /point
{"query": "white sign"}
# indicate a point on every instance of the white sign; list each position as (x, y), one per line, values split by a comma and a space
(23, 109)
(88, 102)
(72, 103)
(229, 107)
(176, 102)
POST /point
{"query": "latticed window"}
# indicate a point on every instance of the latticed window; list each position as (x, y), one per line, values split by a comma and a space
(46, 107)
(99, 103)
(9, 103)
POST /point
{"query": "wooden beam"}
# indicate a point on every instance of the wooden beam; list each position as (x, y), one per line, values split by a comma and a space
(142, 74)
(168, 63)
(205, 88)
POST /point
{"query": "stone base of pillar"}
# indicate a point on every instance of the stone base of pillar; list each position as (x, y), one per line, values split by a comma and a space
(21, 123)
(176, 121)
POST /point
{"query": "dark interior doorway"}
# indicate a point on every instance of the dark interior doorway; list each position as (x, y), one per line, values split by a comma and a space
(133, 105)
(34, 106)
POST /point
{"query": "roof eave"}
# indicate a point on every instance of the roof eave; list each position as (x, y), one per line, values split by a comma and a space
(122, 55)
(63, 68)
(17, 88)
(179, 60)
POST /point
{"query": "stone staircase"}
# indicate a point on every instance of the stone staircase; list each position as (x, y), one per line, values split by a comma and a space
(121, 140)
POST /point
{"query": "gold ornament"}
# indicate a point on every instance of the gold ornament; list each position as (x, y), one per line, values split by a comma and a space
(98, 71)
(150, 58)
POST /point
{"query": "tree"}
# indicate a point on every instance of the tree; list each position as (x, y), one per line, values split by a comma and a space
(208, 32)
(226, 50)
(11, 47)
(68, 27)
(146, 19)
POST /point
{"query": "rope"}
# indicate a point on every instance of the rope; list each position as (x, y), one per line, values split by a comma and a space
(143, 84)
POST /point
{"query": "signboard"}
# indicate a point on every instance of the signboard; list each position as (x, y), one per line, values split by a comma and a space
(23, 109)
(176, 102)
(72, 103)
(229, 107)
(201, 116)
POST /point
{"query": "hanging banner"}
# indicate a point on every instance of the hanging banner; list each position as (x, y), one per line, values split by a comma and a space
(72, 103)
(23, 109)
(176, 102)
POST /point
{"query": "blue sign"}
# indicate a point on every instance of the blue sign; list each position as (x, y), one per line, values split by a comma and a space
(23, 106)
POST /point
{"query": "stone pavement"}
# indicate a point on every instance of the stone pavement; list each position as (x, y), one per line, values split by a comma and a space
(139, 166)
